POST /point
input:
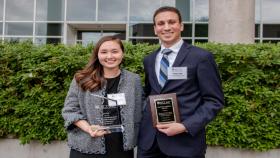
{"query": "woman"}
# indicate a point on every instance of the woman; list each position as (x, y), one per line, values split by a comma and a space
(86, 111)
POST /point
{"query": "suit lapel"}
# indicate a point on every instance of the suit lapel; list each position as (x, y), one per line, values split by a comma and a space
(182, 54)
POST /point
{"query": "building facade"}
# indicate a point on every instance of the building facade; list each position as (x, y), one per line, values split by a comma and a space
(85, 21)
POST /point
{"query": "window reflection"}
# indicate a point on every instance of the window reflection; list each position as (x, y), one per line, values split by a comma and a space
(17, 39)
(19, 29)
(1, 9)
(169, 2)
(272, 30)
(88, 37)
(1, 28)
(142, 30)
(49, 29)
(20, 10)
(136, 9)
(187, 32)
(40, 41)
(257, 30)
(81, 10)
(50, 10)
(184, 6)
(257, 10)
(149, 41)
(200, 40)
(201, 10)
(116, 11)
(271, 41)
(201, 30)
(271, 10)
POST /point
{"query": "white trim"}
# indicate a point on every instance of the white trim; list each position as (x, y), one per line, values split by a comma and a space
(65, 30)
(96, 10)
(21, 36)
(40, 21)
(34, 17)
(19, 21)
(4, 20)
(193, 20)
(261, 22)
(127, 31)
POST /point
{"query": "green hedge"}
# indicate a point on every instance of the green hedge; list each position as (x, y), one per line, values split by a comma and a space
(35, 79)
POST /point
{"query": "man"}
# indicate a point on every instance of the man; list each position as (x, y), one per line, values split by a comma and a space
(198, 90)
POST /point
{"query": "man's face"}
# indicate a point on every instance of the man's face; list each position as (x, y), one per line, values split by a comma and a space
(168, 28)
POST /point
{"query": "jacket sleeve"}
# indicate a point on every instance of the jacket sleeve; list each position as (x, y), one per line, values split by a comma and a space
(209, 83)
(71, 111)
(139, 99)
(147, 88)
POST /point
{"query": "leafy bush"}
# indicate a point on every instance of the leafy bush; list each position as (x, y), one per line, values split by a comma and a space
(35, 79)
(251, 83)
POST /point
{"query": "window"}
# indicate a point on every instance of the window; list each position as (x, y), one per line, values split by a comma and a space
(49, 29)
(271, 10)
(50, 10)
(257, 11)
(19, 10)
(257, 30)
(201, 30)
(1, 28)
(47, 40)
(116, 11)
(271, 30)
(81, 10)
(184, 6)
(142, 30)
(201, 10)
(17, 39)
(1, 9)
(187, 32)
(20, 29)
(150, 41)
(136, 9)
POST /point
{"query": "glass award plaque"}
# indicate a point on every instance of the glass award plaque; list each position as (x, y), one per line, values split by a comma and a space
(111, 117)
(164, 108)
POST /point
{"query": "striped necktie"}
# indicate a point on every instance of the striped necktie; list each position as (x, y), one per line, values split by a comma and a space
(164, 64)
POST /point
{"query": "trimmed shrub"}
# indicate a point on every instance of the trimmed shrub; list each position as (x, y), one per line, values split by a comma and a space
(35, 79)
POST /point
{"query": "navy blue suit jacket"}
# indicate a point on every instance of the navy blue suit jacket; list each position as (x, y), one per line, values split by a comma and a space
(199, 96)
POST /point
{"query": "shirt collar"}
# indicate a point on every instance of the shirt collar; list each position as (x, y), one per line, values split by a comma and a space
(175, 48)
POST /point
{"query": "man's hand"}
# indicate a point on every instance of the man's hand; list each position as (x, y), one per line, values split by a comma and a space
(171, 129)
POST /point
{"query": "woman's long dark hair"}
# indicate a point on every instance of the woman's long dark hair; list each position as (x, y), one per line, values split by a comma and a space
(92, 76)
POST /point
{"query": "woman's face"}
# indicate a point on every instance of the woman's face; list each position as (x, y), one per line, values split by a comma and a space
(110, 55)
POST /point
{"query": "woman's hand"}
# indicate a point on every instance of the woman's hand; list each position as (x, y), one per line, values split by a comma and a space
(97, 131)
(92, 130)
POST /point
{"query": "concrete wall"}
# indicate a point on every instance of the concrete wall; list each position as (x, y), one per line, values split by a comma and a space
(231, 21)
(71, 35)
(10, 148)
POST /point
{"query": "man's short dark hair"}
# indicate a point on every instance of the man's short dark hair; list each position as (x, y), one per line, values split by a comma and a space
(165, 9)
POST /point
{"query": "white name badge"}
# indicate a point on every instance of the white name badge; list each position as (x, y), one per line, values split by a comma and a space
(177, 73)
(119, 97)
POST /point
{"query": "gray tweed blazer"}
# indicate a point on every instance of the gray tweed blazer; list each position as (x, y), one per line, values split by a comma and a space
(81, 105)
